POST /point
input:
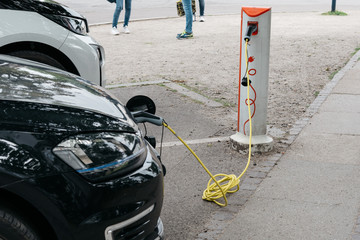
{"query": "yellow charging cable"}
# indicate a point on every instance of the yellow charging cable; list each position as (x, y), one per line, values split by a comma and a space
(217, 189)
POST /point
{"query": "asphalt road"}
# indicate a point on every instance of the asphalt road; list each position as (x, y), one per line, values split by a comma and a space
(101, 11)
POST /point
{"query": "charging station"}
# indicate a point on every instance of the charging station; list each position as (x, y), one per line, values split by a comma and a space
(254, 64)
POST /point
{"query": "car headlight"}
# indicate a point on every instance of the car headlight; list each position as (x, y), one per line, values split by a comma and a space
(100, 156)
(76, 25)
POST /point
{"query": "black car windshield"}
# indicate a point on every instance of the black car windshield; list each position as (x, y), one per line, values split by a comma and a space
(40, 84)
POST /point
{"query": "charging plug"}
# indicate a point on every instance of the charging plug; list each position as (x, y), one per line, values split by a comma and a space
(141, 117)
(244, 81)
(251, 29)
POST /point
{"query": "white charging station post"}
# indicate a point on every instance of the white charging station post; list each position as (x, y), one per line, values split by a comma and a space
(258, 68)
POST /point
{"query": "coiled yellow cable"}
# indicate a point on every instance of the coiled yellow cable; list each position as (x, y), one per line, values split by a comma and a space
(217, 189)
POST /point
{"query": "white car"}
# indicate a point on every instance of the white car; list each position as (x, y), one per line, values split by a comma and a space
(48, 32)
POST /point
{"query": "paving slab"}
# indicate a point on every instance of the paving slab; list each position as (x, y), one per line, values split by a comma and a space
(342, 103)
(335, 123)
(284, 220)
(329, 148)
(305, 180)
(350, 84)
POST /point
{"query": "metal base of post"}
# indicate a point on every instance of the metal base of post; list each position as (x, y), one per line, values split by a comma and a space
(259, 144)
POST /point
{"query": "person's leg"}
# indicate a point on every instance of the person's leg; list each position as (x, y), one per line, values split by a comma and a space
(127, 12)
(202, 7)
(118, 8)
(188, 15)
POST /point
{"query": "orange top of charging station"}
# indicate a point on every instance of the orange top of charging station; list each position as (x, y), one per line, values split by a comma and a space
(254, 11)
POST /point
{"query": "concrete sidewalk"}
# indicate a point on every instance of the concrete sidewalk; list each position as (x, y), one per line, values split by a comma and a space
(314, 190)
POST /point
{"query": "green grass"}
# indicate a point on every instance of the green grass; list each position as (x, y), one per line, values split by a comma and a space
(224, 103)
(332, 75)
(356, 50)
(335, 13)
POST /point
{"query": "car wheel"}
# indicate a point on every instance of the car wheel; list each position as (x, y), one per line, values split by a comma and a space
(38, 57)
(13, 227)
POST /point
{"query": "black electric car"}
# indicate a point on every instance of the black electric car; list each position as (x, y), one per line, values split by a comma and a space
(73, 162)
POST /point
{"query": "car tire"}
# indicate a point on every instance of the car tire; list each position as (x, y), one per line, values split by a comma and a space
(37, 57)
(13, 227)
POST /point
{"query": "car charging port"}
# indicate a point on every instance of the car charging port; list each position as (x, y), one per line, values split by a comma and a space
(251, 30)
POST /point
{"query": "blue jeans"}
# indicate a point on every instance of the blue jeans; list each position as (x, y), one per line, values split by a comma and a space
(188, 15)
(118, 9)
(202, 7)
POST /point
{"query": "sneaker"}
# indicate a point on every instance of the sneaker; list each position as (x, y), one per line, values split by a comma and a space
(114, 31)
(184, 35)
(126, 30)
(202, 19)
(194, 17)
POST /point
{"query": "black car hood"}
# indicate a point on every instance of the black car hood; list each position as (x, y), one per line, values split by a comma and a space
(34, 91)
(42, 7)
